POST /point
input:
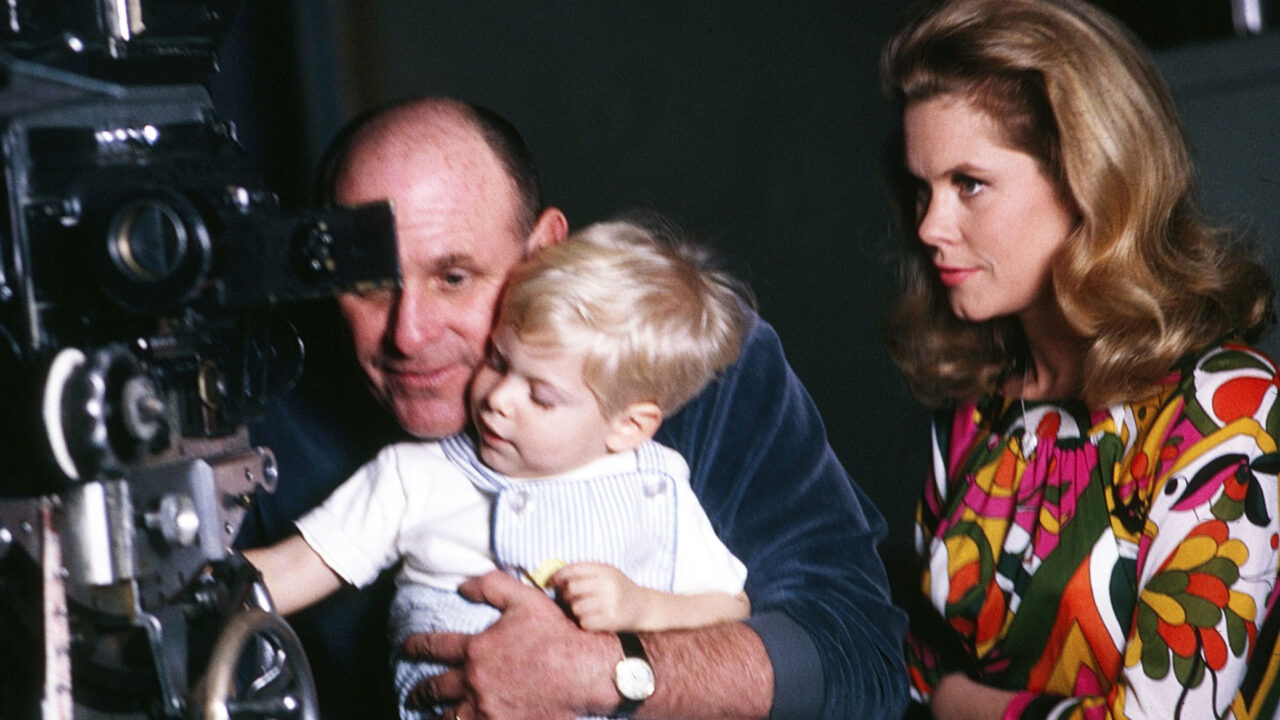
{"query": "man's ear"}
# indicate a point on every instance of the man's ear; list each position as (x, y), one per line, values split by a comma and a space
(552, 228)
(633, 425)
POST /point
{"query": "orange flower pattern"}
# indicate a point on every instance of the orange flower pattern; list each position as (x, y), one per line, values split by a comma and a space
(1115, 563)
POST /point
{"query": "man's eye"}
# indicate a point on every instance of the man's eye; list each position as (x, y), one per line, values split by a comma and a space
(374, 294)
(455, 278)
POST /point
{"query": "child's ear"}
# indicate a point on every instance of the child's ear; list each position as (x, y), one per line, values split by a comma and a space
(633, 425)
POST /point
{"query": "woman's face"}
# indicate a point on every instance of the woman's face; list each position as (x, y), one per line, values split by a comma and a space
(990, 217)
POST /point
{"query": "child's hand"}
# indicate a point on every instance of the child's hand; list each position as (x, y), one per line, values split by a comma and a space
(600, 596)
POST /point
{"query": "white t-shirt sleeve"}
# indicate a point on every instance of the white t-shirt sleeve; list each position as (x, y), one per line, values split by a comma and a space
(356, 530)
(703, 563)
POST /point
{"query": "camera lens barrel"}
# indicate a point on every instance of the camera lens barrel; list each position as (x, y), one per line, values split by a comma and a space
(155, 254)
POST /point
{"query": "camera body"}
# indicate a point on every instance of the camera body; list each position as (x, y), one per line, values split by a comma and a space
(142, 265)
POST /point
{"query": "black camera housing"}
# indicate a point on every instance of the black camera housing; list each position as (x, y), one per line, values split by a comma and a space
(134, 220)
(142, 266)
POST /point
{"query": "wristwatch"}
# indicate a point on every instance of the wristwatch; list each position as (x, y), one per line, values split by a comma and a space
(633, 675)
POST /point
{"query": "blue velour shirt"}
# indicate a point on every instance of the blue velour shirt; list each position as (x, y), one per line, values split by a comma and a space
(763, 470)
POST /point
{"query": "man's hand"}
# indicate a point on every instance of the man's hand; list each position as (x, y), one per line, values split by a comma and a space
(534, 663)
(600, 596)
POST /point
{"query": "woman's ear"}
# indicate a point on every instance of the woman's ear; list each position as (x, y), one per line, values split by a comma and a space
(633, 425)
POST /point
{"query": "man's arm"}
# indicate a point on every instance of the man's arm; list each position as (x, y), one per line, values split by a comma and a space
(780, 500)
(294, 574)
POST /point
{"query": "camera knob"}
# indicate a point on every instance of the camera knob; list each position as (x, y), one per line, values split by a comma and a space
(6, 541)
(175, 519)
(317, 249)
(101, 411)
(142, 408)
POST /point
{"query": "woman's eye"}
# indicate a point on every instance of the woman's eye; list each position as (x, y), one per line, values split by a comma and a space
(922, 200)
(968, 186)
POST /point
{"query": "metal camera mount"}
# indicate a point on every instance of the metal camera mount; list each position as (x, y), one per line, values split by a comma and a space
(142, 265)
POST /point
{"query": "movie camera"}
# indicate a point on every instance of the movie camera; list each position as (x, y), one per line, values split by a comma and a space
(141, 260)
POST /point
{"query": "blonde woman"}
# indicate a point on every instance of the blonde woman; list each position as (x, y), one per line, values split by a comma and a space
(1099, 531)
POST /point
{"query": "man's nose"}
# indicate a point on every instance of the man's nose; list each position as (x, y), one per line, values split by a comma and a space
(416, 319)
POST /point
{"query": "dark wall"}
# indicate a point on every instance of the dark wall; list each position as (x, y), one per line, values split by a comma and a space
(757, 125)
(257, 87)
(1228, 95)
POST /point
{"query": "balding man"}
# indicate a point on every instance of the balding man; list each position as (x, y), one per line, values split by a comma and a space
(823, 640)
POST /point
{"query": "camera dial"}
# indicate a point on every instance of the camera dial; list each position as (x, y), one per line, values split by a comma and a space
(100, 411)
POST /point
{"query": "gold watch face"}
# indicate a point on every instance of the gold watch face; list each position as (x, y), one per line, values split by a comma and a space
(634, 678)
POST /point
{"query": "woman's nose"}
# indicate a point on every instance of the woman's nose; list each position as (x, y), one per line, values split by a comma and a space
(937, 223)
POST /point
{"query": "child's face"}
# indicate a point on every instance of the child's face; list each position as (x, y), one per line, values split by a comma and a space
(533, 412)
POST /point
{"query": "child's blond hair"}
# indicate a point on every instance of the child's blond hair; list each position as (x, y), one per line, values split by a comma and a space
(657, 317)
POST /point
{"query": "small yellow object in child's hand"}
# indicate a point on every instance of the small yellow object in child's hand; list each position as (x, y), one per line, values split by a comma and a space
(542, 575)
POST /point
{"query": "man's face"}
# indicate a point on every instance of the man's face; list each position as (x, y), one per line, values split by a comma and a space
(454, 210)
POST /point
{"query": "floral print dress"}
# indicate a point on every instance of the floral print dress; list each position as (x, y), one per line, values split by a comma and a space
(1116, 563)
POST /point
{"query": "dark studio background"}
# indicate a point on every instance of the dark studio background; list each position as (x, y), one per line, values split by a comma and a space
(757, 125)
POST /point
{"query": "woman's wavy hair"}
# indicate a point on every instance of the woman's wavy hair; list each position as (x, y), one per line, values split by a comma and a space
(1143, 278)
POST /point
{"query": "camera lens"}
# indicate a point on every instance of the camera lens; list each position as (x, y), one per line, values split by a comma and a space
(148, 241)
(155, 250)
